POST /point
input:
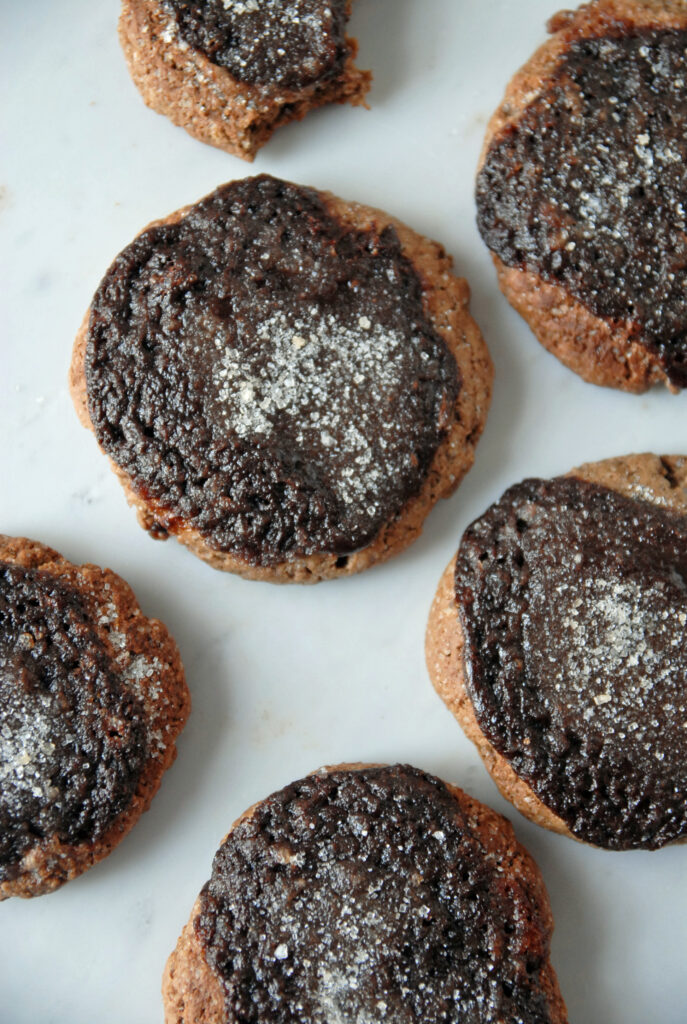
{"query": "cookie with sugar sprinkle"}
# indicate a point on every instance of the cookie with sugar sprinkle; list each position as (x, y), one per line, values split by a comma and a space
(284, 381)
(556, 638)
(582, 192)
(93, 697)
(367, 893)
(233, 71)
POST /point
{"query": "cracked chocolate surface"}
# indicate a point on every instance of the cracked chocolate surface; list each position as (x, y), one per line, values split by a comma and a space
(267, 375)
(366, 895)
(289, 43)
(588, 188)
(72, 742)
(573, 602)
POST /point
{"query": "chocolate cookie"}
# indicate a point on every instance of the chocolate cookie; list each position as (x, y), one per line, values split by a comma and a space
(582, 192)
(92, 699)
(285, 381)
(232, 71)
(557, 640)
(367, 893)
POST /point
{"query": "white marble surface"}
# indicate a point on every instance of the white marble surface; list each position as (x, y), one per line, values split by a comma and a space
(285, 679)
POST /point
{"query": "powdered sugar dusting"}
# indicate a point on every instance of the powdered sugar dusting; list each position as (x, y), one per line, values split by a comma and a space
(35, 732)
(72, 742)
(298, 390)
(241, 6)
(611, 664)
(339, 979)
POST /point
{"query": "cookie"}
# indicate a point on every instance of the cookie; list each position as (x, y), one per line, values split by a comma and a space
(367, 893)
(284, 381)
(93, 698)
(556, 638)
(233, 71)
(582, 193)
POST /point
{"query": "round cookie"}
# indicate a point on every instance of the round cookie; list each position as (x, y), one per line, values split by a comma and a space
(556, 638)
(582, 193)
(367, 892)
(284, 381)
(93, 698)
(233, 71)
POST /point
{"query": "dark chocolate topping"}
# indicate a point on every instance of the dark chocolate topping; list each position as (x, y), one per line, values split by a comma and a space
(267, 375)
(589, 188)
(366, 896)
(72, 743)
(573, 602)
(288, 43)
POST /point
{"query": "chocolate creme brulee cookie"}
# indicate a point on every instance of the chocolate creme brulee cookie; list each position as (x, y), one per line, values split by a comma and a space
(92, 699)
(284, 381)
(232, 71)
(367, 893)
(557, 638)
(582, 192)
